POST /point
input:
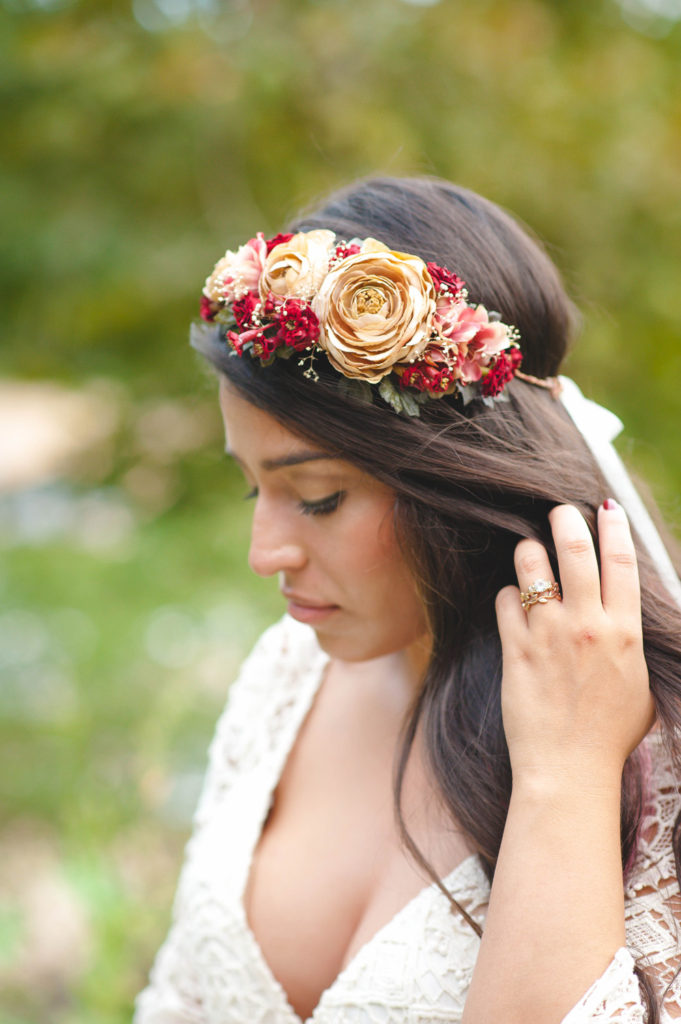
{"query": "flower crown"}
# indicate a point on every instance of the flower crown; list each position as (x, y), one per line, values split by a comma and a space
(379, 316)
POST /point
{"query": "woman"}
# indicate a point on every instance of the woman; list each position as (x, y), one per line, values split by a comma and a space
(466, 696)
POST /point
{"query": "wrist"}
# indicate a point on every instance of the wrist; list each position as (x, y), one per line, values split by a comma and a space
(566, 782)
(572, 821)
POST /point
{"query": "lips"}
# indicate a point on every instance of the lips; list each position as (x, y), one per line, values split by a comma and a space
(307, 609)
(305, 602)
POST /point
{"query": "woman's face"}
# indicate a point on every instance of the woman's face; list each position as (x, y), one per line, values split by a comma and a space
(327, 529)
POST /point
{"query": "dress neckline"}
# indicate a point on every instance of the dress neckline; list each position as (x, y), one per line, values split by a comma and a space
(469, 867)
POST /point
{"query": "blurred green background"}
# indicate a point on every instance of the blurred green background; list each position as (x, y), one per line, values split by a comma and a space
(139, 140)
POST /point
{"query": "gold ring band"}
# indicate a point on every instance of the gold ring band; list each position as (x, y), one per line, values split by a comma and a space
(539, 592)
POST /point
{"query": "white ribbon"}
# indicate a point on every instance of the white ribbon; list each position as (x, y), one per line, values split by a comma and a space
(599, 426)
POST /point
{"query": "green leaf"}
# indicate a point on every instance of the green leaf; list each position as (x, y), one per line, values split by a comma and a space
(360, 390)
(400, 401)
(411, 406)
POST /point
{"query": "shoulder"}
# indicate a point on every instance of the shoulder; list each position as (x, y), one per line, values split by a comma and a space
(283, 659)
(653, 900)
(284, 651)
(278, 677)
(662, 787)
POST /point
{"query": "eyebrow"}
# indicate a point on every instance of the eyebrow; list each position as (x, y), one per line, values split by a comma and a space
(295, 459)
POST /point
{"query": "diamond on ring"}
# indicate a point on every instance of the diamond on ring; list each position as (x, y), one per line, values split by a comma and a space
(540, 592)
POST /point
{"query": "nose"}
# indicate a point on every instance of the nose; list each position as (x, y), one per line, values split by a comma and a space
(274, 544)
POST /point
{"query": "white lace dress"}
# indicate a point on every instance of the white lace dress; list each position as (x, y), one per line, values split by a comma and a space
(418, 967)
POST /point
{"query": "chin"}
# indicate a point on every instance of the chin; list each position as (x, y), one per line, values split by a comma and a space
(357, 648)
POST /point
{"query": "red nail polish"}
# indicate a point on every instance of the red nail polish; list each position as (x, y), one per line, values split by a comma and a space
(610, 504)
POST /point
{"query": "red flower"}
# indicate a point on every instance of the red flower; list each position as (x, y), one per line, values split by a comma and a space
(298, 325)
(243, 309)
(264, 345)
(208, 309)
(272, 305)
(342, 251)
(277, 240)
(425, 377)
(444, 280)
(433, 372)
(235, 341)
(503, 370)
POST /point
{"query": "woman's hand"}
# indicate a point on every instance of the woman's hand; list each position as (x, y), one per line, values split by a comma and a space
(575, 693)
(576, 701)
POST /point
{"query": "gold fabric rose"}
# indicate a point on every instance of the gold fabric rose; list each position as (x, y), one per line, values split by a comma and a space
(375, 309)
(295, 269)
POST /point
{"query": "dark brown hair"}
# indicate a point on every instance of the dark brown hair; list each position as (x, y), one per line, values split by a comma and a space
(469, 482)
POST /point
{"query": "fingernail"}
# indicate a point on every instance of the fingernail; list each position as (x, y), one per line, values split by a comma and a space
(610, 504)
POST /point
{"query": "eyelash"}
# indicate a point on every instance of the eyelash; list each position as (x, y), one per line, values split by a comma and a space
(324, 507)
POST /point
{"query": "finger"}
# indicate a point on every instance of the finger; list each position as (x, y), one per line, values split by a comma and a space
(577, 562)
(620, 588)
(511, 619)
(532, 566)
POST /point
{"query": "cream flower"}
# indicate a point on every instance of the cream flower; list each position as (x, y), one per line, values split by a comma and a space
(295, 269)
(237, 272)
(375, 309)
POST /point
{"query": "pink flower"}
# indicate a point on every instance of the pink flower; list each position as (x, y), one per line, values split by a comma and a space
(470, 330)
(491, 337)
(237, 272)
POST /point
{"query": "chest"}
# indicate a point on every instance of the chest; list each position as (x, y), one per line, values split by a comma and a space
(329, 870)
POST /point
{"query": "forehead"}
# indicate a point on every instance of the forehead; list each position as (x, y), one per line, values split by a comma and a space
(251, 433)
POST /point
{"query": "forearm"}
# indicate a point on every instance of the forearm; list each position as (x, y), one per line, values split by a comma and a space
(556, 913)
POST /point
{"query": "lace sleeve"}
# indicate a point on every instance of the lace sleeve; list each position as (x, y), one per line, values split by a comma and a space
(175, 994)
(653, 913)
(615, 997)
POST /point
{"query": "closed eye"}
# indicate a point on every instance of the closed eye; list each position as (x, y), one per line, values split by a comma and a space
(323, 507)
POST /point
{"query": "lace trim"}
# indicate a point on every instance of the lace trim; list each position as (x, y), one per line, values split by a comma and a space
(417, 968)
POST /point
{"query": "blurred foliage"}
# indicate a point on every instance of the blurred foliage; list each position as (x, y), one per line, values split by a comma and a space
(138, 144)
(141, 140)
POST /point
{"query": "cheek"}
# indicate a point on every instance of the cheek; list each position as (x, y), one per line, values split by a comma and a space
(384, 577)
(369, 543)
